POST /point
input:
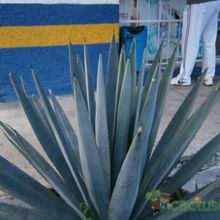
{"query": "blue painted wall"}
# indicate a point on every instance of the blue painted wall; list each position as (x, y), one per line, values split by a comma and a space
(51, 65)
(25, 41)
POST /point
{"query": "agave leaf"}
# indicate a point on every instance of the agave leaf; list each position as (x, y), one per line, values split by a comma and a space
(80, 65)
(146, 120)
(133, 75)
(41, 113)
(35, 199)
(121, 71)
(127, 185)
(139, 93)
(13, 212)
(81, 74)
(153, 68)
(67, 127)
(148, 112)
(189, 169)
(142, 70)
(49, 144)
(133, 63)
(206, 190)
(156, 60)
(11, 182)
(179, 119)
(89, 87)
(43, 167)
(92, 168)
(176, 124)
(101, 125)
(67, 175)
(23, 177)
(72, 61)
(111, 83)
(213, 195)
(36, 104)
(75, 70)
(161, 98)
(180, 142)
(26, 92)
(66, 149)
(123, 123)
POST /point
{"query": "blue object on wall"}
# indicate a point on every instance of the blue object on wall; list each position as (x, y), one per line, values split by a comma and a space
(140, 34)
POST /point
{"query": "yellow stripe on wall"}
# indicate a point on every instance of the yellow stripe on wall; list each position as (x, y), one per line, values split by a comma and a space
(55, 35)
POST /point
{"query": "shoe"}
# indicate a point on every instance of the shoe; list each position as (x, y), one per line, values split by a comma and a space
(208, 82)
(177, 82)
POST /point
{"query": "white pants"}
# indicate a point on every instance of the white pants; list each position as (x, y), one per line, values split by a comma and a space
(200, 22)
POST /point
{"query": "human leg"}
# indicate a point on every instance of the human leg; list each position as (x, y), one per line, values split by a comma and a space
(209, 40)
(191, 34)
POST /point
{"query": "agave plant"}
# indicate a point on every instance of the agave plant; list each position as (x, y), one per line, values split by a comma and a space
(103, 165)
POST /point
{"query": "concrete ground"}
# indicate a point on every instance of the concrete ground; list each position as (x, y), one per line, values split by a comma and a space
(12, 114)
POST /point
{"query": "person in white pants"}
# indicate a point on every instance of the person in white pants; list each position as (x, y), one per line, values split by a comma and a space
(200, 22)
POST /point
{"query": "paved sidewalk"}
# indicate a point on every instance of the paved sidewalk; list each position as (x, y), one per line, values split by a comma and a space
(12, 114)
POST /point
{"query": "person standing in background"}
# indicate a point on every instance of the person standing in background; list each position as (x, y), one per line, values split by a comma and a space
(200, 22)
